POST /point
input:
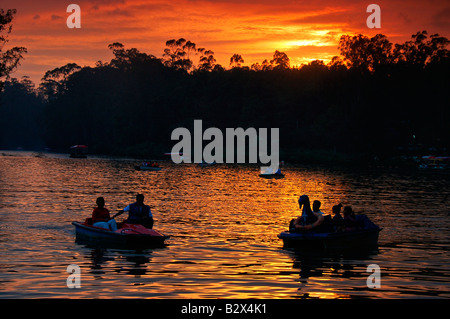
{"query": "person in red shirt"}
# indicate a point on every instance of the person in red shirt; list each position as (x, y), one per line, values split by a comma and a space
(101, 217)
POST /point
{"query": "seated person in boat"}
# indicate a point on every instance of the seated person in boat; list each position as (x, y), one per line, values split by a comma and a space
(101, 217)
(350, 221)
(337, 218)
(138, 213)
(309, 219)
(316, 207)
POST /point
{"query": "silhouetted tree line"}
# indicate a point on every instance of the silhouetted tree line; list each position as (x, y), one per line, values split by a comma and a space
(372, 100)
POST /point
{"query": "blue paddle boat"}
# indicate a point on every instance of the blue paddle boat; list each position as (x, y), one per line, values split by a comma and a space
(363, 233)
(331, 240)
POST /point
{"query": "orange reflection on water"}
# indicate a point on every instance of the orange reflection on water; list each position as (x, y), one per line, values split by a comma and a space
(223, 221)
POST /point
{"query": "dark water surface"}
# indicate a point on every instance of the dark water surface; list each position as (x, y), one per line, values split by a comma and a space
(223, 222)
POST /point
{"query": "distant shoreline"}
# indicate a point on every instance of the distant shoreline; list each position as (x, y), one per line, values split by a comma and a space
(313, 158)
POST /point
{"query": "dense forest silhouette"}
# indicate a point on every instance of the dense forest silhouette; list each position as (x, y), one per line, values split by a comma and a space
(375, 100)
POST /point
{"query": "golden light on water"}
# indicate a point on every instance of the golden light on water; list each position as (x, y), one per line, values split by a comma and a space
(223, 222)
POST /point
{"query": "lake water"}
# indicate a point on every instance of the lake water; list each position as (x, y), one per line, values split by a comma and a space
(223, 222)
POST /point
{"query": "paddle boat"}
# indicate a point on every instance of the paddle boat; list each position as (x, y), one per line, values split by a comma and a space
(363, 234)
(129, 235)
(434, 162)
(268, 173)
(148, 166)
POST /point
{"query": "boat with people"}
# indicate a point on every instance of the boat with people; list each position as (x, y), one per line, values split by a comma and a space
(434, 162)
(315, 230)
(130, 235)
(148, 166)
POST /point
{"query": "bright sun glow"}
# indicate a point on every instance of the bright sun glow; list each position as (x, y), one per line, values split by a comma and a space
(305, 43)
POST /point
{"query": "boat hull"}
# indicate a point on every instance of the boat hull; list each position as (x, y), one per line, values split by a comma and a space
(128, 236)
(337, 240)
(271, 175)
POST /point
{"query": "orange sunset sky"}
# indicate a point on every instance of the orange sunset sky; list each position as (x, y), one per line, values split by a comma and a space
(305, 30)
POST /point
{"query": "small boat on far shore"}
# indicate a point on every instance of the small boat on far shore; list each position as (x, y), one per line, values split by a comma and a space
(147, 168)
(270, 172)
(434, 162)
(78, 151)
(206, 164)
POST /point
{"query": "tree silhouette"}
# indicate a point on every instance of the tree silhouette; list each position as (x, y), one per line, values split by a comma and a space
(175, 55)
(369, 54)
(236, 60)
(207, 60)
(337, 63)
(265, 66)
(9, 59)
(53, 82)
(420, 52)
(256, 67)
(280, 61)
(127, 58)
(189, 47)
(353, 49)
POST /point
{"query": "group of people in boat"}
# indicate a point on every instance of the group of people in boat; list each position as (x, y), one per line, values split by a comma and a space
(138, 213)
(315, 219)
